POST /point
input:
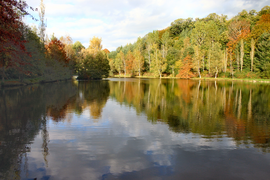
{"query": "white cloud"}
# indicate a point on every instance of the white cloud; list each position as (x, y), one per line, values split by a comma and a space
(121, 22)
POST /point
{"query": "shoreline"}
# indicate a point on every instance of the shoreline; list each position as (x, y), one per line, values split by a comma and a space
(204, 79)
(16, 83)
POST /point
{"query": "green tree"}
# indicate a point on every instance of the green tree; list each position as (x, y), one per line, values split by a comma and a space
(118, 63)
(138, 61)
(212, 38)
(172, 57)
(262, 55)
(94, 67)
(159, 63)
(199, 35)
(77, 46)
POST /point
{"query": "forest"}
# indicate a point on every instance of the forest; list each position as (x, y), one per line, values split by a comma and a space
(214, 46)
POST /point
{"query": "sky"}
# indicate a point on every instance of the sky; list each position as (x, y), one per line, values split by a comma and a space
(120, 22)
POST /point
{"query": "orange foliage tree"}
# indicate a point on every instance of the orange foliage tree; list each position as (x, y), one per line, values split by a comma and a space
(238, 29)
(130, 59)
(106, 51)
(263, 25)
(185, 70)
(55, 50)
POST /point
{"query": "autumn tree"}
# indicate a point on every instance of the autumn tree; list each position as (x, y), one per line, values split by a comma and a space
(138, 61)
(95, 45)
(12, 44)
(106, 51)
(68, 46)
(262, 26)
(238, 29)
(129, 62)
(56, 51)
(185, 68)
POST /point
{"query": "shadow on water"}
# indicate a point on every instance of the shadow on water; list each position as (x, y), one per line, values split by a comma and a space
(23, 115)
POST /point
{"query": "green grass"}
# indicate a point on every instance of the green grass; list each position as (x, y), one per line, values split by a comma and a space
(203, 78)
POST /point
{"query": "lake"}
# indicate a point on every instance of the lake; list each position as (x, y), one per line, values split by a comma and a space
(136, 129)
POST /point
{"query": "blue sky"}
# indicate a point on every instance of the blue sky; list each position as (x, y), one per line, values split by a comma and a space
(121, 22)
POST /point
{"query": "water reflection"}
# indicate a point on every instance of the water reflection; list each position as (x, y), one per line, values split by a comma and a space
(22, 115)
(135, 128)
(212, 109)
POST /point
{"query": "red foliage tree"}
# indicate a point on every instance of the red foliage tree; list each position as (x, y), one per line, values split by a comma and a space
(11, 37)
(55, 50)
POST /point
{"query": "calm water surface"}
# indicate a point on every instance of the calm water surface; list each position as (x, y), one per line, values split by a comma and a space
(135, 129)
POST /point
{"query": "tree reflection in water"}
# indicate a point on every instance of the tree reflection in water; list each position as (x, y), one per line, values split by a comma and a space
(209, 108)
(23, 114)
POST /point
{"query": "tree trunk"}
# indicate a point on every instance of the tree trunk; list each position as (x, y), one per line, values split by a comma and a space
(252, 53)
(198, 63)
(125, 68)
(149, 54)
(242, 54)
(203, 63)
(237, 59)
(225, 61)
(209, 58)
(231, 67)
(163, 52)
(216, 72)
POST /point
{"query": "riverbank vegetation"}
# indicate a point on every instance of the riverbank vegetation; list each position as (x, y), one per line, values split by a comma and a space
(28, 55)
(209, 47)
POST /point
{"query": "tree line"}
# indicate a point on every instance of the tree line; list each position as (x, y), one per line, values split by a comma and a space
(209, 47)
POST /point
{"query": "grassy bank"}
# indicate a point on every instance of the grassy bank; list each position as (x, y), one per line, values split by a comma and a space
(206, 78)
